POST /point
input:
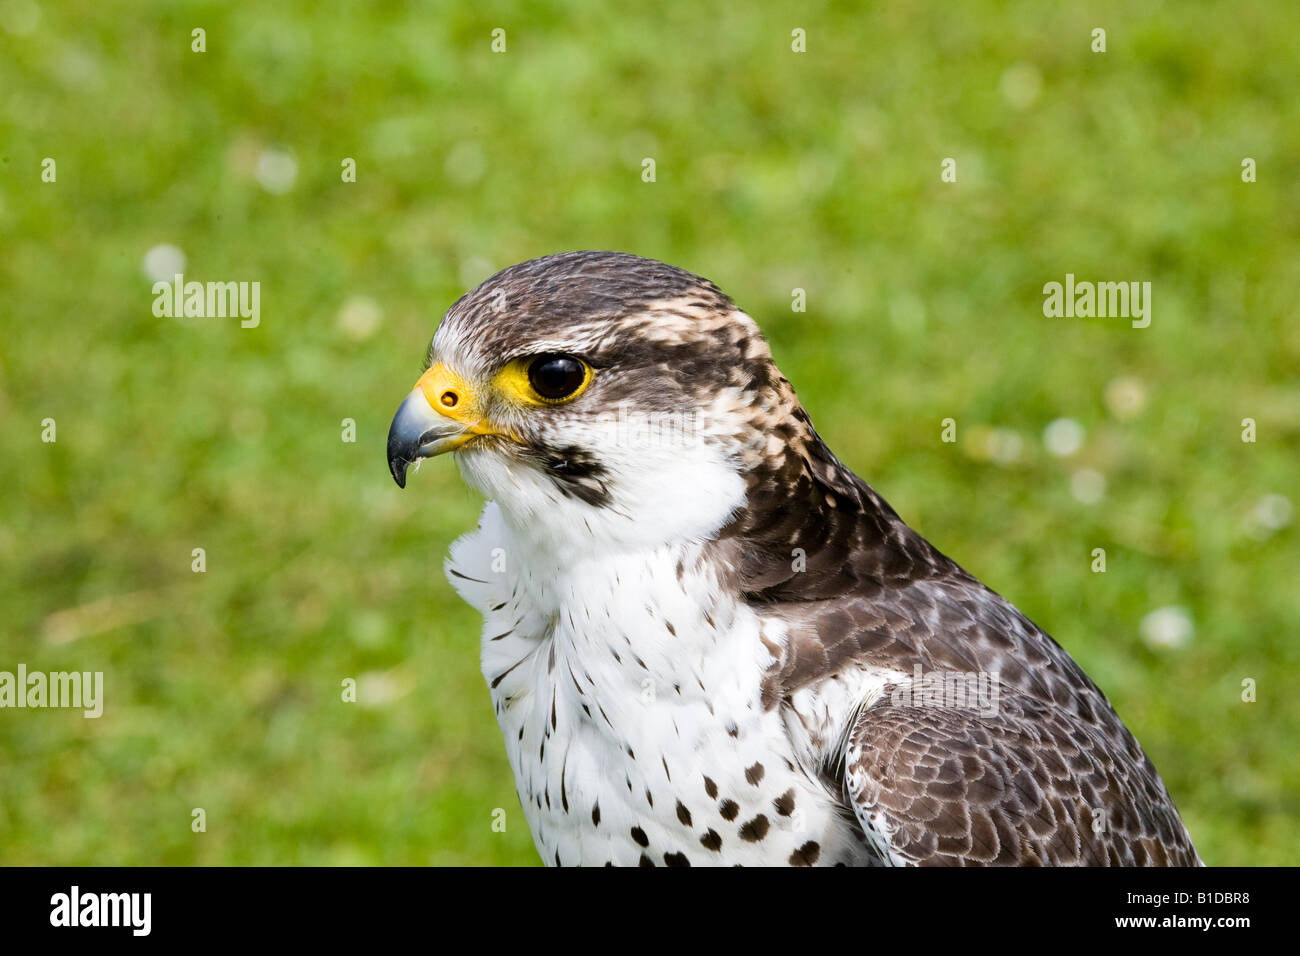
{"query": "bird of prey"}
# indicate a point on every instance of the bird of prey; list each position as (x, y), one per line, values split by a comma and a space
(707, 641)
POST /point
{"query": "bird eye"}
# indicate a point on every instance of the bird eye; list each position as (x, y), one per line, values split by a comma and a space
(556, 377)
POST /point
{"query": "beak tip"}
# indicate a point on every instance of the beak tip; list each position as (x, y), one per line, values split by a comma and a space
(419, 432)
(397, 467)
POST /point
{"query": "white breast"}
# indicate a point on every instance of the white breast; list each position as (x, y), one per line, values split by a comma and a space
(627, 686)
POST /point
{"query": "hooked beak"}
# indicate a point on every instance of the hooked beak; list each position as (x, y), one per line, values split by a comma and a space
(440, 415)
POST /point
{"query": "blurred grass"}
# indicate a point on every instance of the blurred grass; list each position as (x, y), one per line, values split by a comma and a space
(774, 171)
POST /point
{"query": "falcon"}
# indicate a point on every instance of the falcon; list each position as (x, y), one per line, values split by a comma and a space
(707, 641)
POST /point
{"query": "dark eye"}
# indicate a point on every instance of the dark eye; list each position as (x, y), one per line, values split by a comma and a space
(556, 376)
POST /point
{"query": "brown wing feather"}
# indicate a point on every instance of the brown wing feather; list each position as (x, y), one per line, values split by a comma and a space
(1030, 786)
(1021, 787)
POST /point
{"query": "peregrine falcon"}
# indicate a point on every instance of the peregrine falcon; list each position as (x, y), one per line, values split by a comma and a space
(707, 641)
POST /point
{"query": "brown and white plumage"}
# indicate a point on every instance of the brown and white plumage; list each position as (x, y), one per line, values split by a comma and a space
(703, 648)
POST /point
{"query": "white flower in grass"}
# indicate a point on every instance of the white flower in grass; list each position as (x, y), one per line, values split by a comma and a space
(1063, 437)
(1088, 486)
(1125, 397)
(163, 263)
(276, 170)
(1168, 628)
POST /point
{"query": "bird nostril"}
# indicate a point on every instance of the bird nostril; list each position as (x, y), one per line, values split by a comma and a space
(449, 399)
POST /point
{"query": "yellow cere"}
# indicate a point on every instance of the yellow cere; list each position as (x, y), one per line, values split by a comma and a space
(452, 396)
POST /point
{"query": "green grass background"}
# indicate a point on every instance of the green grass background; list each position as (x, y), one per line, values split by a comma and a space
(775, 170)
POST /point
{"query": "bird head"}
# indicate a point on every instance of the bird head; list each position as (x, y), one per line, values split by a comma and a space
(600, 395)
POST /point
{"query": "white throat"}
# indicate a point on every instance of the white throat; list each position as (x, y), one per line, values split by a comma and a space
(662, 496)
